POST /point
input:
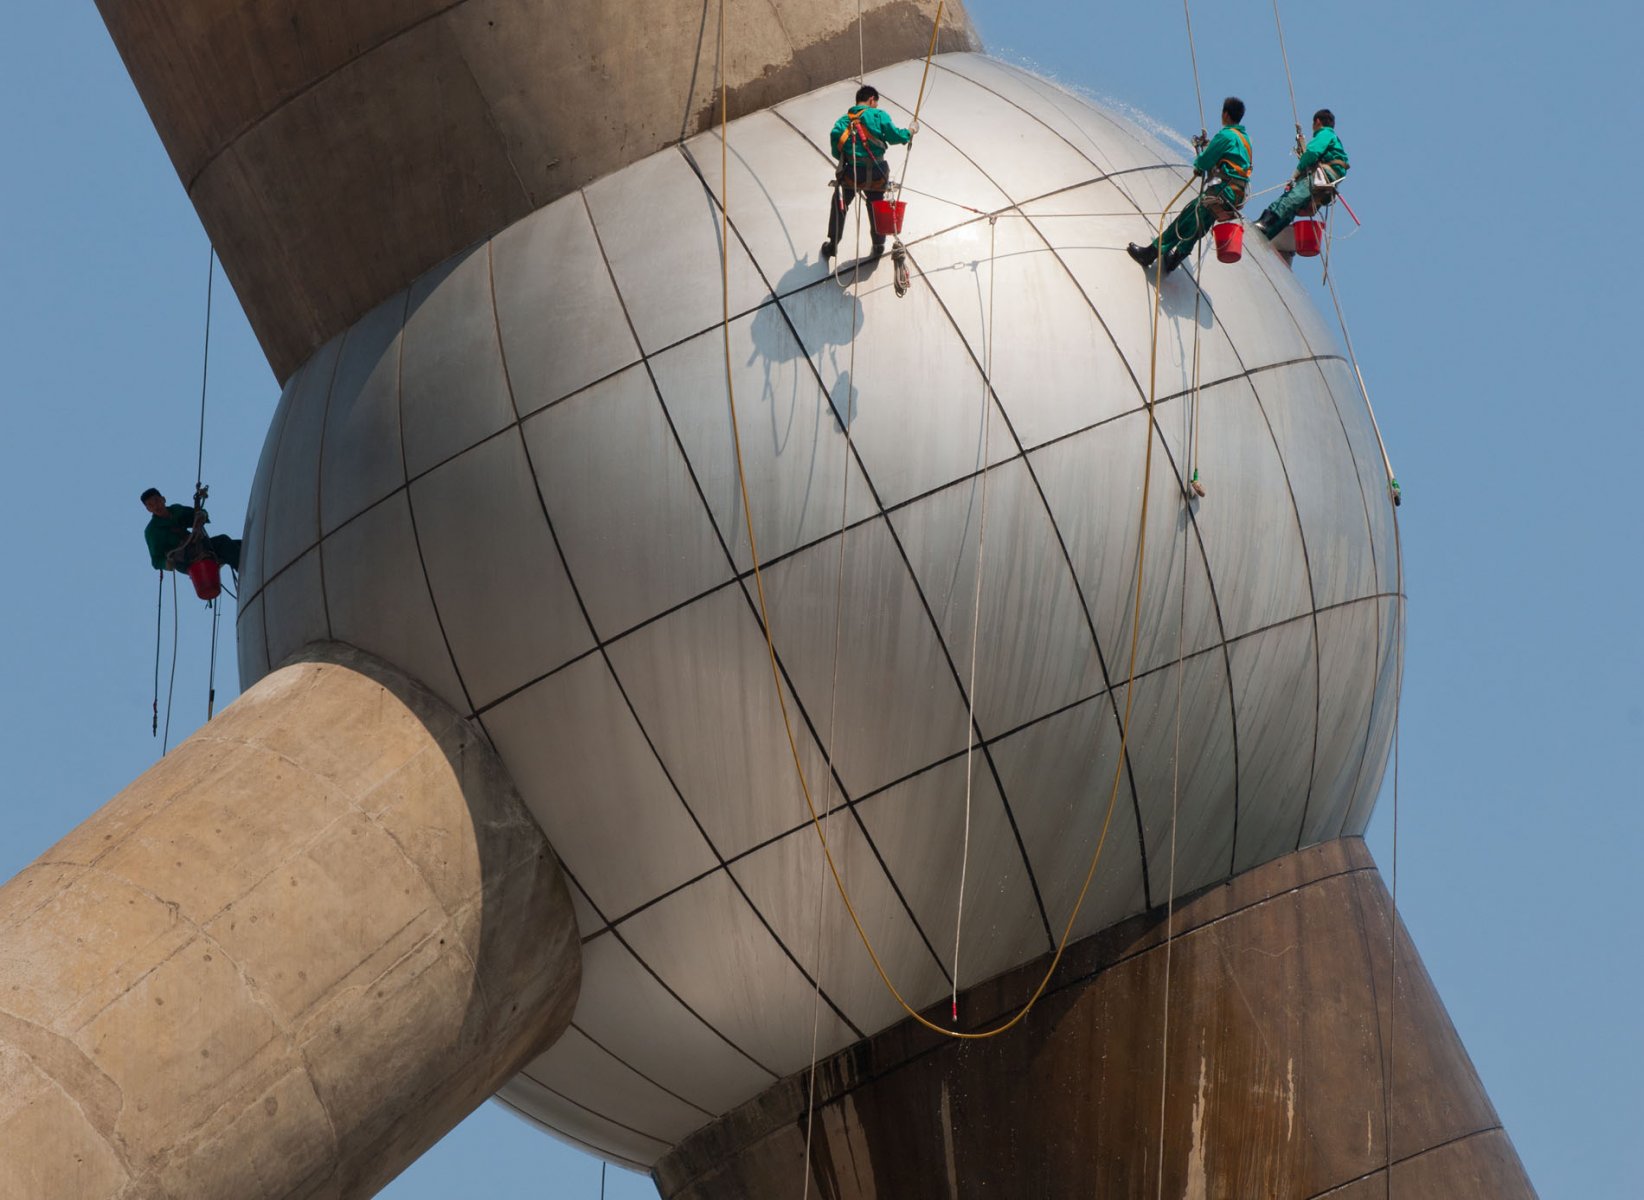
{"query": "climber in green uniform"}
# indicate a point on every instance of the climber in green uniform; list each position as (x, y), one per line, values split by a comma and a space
(859, 140)
(1322, 164)
(1224, 164)
(176, 536)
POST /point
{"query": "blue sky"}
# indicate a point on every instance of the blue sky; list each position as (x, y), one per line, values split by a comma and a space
(1488, 296)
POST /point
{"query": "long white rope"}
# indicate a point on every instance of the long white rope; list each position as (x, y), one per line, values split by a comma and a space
(1170, 900)
(171, 687)
(861, 53)
(833, 691)
(1190, 424)
(1353, 358)
(976, 606)
(1398, 700)
(1393, 934)
(1295, 115)
(833, 710)
(1193, 57)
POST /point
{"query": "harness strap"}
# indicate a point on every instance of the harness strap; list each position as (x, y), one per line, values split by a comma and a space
(858, 132)
(1232, 171)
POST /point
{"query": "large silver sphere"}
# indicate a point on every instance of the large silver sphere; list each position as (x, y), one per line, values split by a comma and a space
(515, 481)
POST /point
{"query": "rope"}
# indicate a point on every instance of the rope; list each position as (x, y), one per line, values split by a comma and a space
(1387, 463)
(1393, 934)
(1193, 57)
(1289, 82)
(1323, 218)
(827, 817)
(1191, 435)
(838, 627)
(861, 52)
(936, 27)
(770, 644)
(1170, 893)
(1393, 923)
(159, 613)
(171, 686)
(1393, 494)
(976, 609)
(211, 678)
(1189, 423)
(205, 368)
(816, 1017)
(927, 195)
(1012, 210)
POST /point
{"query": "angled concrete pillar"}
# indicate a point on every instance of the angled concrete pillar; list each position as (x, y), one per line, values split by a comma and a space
(334, 151)
(1296, 1070)
(285, 960)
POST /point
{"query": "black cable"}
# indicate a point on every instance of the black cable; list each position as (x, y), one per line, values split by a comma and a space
(171, 687)
(205, 368)
(211, 679)
(159, 614)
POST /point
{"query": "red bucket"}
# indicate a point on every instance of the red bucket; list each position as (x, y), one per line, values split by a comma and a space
(207, 578)
(1229, 240)
(1307, 237)
(887, 216)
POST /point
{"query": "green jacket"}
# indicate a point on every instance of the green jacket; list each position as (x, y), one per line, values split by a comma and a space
(165, 534)
(1227, 157)
(1324, 149)
(863, 134)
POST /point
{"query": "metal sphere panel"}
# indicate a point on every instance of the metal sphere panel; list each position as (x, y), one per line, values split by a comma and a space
(516, 480)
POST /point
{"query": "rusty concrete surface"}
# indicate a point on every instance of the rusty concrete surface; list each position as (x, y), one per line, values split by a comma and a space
(1287, 1053)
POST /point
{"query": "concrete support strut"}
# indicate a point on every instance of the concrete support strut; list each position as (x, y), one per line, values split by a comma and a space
(1289, 1049)
(285, 960)
(334, 151)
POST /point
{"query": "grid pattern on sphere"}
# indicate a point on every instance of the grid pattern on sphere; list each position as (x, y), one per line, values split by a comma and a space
(562, 555)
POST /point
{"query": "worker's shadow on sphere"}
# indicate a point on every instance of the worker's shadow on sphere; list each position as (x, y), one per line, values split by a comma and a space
(826, 317)
(1181, 305)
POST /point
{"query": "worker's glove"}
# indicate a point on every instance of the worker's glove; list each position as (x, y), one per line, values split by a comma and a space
(913, 129)
(1201, 140)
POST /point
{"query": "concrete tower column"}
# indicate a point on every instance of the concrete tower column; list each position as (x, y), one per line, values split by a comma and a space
(286, 959)
(334, 151)
(1299, 1066)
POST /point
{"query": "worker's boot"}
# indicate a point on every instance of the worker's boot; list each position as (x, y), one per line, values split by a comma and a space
(1268, 223)
(878, 251)
(827, 250)
(1175, 260)
(1142, 254)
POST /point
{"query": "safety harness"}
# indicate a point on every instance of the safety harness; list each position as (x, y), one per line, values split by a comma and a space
(856, 133)
(1234, 174)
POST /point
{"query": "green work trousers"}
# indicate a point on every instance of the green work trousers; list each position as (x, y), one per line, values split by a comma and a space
(223, 548)
(1298, 199)
(1193, 222)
